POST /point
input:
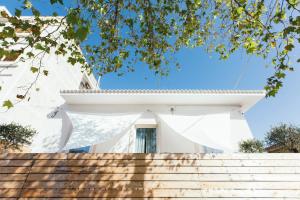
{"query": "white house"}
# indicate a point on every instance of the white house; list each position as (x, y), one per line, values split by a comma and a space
(70, 113)
(16, 77)
(173, 121)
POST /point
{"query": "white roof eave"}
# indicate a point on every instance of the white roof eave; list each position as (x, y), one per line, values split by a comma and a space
(243, 99)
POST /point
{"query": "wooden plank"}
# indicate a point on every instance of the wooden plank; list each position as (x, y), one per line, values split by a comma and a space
(166, 163)
(12, 177)
(11, 184)
(123, 185)
(105, 198)
(156, 198)
(16, 156)
(170, 170)
(164, 156)
(9, 193)
(53, 156)
(14, 170)
(160, 177)
(15, 163)
(175, 193)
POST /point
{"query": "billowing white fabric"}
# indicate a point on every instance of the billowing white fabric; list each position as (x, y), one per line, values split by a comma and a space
(211, 130)
(91, 129)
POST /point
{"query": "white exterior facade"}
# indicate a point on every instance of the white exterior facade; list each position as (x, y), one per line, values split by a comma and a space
(186, 121)
(68, 116)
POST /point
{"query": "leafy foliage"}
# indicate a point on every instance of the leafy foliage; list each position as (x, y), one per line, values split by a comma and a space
(284, 135)
(8, 104)
(14, 136)
(148, 31)
(251, 146)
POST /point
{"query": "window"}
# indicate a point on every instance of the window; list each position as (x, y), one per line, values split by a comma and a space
(84, 85)
(145, 140)
(80, 150)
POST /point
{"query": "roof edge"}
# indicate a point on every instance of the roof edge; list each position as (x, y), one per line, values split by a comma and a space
(162, 91)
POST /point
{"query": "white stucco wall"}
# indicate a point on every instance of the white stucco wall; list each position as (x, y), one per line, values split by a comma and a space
(44, 96)
(240, 129)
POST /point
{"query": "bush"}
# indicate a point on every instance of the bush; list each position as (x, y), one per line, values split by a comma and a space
(14, 136)
(251, 146)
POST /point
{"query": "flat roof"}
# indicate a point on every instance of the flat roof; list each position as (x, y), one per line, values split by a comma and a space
(245, 99)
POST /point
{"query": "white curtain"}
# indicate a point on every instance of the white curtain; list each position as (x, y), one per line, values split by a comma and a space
(90, 129)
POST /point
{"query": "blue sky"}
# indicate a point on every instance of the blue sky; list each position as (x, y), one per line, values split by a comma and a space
(200, 70)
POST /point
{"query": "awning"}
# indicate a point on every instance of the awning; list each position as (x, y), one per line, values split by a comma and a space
(96, 128)
(210, 130)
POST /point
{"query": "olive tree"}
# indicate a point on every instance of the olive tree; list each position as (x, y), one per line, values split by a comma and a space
(286, 136)
(14, 136)
(130, 31)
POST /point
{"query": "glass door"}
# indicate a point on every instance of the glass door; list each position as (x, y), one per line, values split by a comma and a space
(145, 140)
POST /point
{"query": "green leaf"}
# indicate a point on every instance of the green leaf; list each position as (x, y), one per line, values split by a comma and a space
(30, 54)
(18, 12)
(82, 32)
(20, 96)
(39, 47)
(57, 1)
(27, 4)
(273, 44)
(280, 75)
(250, 45)
(34, 69)
(198, 2)
(35, 12)
(45, 72)
(240, 10)
(72, 60)
(289, 47)
(7, 104)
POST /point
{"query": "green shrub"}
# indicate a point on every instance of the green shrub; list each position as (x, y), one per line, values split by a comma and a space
(251, 146)
(14, 136)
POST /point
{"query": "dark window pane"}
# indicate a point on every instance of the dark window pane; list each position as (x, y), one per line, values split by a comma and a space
(80, 150)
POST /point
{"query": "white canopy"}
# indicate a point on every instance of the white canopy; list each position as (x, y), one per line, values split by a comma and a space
(207, 129)
(212, 130)
(90, 129)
